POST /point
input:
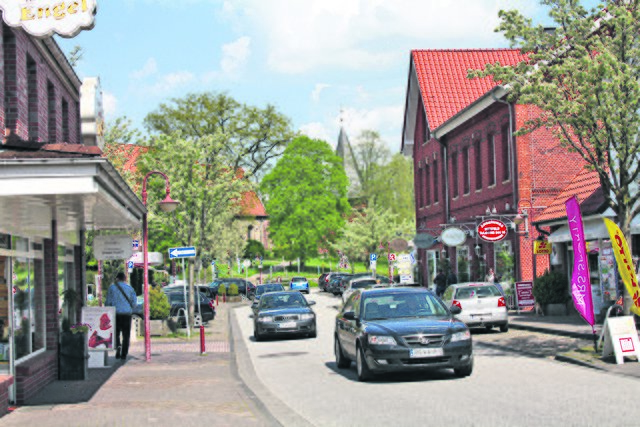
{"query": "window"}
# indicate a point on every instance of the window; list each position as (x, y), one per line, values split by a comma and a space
(427, 186)
(420, 187)
(435, 181)
(478, 162)
(51, 113)
(65, 121)
(491, 148)
(32, 102)
(426, 135)
(506, 172)
(454, 173)
(465, 170)
(66, 280)
(462, 260)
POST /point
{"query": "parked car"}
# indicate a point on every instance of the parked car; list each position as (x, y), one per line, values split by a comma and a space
(206, 307)
(400, 329)
(263, 289)
(209, 292)
(359, 283)
(482, 304)
(327, 278)
(299, 284)
(342, 284)
(334, 283)
(323, 281)
(245, 287)
(284, 313)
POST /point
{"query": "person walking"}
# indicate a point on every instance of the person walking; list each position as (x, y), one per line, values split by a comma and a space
(452, 279)
(440, 282)
(122, 296)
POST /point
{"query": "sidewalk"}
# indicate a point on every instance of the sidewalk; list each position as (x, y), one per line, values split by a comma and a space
(178, 386)
(573, 326)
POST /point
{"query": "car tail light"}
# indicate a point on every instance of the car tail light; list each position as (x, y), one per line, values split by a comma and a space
(501, 302)
(457, 303)
(211, 303)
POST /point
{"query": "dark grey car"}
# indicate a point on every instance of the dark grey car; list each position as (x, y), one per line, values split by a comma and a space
(284, 313)
(400, 329)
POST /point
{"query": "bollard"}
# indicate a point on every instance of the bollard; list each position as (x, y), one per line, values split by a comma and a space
(202, 346)
(217, 296)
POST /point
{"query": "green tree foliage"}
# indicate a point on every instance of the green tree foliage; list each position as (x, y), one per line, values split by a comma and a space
(367, 229)
(585, 78)
(393, 189)
(252, 137)
(370, 154)
(307, 197)
(253, 248)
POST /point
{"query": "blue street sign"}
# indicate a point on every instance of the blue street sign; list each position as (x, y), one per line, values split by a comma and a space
(185, 252)
(213, 262)
(135, 244)
(130, 265)
(373, 257)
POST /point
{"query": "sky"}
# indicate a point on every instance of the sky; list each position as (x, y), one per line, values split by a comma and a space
(317, 61)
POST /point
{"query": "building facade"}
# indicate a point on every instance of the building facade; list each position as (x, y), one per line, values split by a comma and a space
(470, 167)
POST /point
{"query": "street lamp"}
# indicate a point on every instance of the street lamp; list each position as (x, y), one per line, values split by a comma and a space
(167, 205)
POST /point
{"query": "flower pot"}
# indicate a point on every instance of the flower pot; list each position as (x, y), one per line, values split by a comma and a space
(73, 356)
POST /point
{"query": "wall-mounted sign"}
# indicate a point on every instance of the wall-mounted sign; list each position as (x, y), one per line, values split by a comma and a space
(42, 18)
(399, 245)
(541, 247)
(492, 230)
(453, 236)
(112, 247)
(154, 258)
(424, 240)
(92, 112)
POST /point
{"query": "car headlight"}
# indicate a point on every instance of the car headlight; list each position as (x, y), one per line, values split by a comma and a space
(381, 340)
(265, 319)
(461, 336)
(307, 316)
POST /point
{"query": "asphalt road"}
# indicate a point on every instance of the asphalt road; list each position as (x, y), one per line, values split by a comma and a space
(515, 383)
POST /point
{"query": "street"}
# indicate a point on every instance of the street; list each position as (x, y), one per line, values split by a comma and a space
(507, 387)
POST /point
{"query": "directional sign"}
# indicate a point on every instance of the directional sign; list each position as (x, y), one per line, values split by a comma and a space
(135, 244)
(130, 265)
(373, 257)
(213, 262)
(185, 252)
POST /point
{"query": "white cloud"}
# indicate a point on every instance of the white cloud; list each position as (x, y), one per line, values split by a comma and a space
(317, 90)
(317, 130)
(235, 55)
(169, 82)
(383, 119)
(364, 34)
(109, 104)
(149, 68)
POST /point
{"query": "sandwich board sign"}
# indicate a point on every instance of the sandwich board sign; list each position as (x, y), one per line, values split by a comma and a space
(621, 338)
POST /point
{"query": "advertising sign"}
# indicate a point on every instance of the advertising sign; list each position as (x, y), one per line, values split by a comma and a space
(42, 18)
(112, 247)
(154, 258)
(541, 247)
(625, 263)
(492, 230)
(524, 296)
(580, 280)
(620, 338)
(453, 236)
(405, 269)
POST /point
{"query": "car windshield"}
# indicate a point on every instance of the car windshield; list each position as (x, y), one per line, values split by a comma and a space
(268, 288)
(477, 292)
(298, 279)
(177, 297)
(361, 284)
(398, 305)
(293, 299)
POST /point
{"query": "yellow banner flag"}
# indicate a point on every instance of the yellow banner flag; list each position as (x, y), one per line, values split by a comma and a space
(625, 263)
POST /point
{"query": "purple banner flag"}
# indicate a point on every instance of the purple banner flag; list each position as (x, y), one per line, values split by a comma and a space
(580, 283)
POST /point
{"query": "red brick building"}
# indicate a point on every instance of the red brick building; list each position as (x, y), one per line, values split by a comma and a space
(469, 166)
(52, 189)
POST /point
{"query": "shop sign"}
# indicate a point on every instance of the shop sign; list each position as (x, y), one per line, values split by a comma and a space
(43, 18)
(524, 295)
(492, 230)
(424, 240)
(112, 247)
(453, 236)
(541, 247)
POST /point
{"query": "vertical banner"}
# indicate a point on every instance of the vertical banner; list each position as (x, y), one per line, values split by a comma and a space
(580, 282)
(625, 263)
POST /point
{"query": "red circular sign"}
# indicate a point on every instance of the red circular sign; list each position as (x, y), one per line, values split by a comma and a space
(492, 230)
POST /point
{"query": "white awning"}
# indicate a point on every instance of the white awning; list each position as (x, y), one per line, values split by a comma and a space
(593, 229)
(77, 193)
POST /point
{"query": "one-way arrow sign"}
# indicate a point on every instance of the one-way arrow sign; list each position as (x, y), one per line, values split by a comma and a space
(186, 252)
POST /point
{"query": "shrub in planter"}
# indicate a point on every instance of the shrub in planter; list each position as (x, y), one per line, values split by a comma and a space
(233, 290)
(551, 288)
(159, 306)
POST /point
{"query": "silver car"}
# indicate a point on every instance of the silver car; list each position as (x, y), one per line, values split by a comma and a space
(482, 304)
(359, 283)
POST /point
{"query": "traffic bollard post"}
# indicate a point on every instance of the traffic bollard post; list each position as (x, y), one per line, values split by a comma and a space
(202, 345)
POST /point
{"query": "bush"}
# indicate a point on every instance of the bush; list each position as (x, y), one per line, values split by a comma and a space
(222, 289)
(159, 306)
(254, 248)
(233, 290)
(551, 288)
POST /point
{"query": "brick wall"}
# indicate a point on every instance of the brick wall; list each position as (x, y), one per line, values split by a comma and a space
(5, 382)
(14, 83)
(34, 374)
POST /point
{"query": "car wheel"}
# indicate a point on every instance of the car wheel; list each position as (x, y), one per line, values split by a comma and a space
(464, 371)
(504, 328)
(313, 334)
(341, 360)
(364, 373)
(256, 335)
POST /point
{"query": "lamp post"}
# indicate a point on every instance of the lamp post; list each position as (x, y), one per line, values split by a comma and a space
(167, 205)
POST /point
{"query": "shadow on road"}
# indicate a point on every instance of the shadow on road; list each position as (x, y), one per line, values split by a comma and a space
(398, 377)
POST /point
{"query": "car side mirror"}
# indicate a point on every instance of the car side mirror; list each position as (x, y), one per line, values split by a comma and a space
(349, 315)
(455, 310)
(311, 303)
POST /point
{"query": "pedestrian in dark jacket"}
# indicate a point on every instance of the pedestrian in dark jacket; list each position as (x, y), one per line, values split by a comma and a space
(452, 279)
(440, 282)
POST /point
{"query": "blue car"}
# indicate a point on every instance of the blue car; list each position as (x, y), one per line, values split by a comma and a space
(299, 284)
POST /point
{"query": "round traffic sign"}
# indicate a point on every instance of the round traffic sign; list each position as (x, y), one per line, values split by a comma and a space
(492, 230)
(392, 257)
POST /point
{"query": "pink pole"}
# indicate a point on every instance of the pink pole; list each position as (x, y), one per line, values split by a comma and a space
(202, 345)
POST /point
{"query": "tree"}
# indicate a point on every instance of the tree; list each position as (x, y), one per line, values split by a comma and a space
(252, 137)
(370, 154)
(585, 79)
(393, 188)
(75, 55)
(306, 197)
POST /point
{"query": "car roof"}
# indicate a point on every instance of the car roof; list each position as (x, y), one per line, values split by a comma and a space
(472, 284)
(393, 290)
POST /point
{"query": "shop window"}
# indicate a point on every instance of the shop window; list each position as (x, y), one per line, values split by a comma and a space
(462, 261)
(66, 284)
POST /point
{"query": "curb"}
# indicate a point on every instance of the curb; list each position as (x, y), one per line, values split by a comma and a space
(567, 359)
(550, 331)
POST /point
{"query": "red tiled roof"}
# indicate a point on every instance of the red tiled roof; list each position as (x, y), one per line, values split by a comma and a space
(586, 187)
(251, 205)
(444, 85)
(73, 149)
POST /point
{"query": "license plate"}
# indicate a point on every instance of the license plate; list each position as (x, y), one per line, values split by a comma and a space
(287, 325)
(481, 315)
(426, 352)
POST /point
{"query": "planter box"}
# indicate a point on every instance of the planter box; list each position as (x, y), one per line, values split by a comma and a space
(73, 356)
(236, 298)
(555, 310)
(159, 328)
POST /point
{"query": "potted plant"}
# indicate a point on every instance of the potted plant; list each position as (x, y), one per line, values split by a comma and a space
(159, 310)
(551, 292)
(233, 293)
(73, 351)
(222, 291)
